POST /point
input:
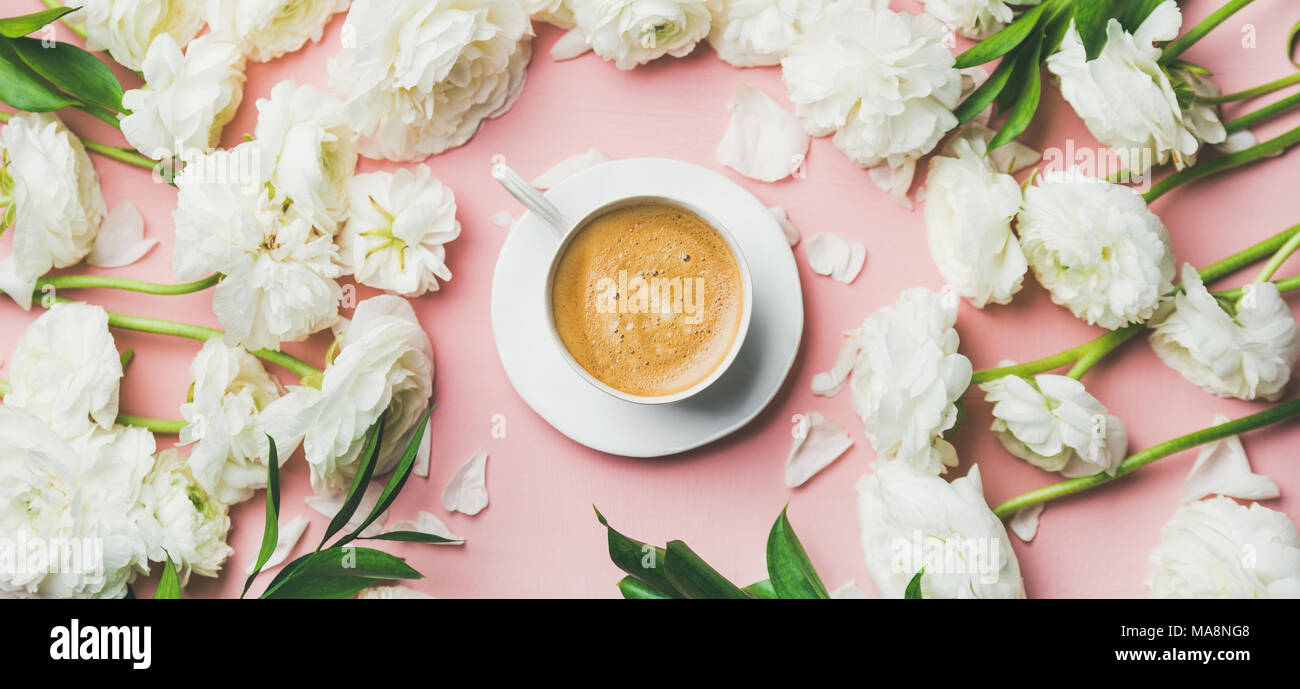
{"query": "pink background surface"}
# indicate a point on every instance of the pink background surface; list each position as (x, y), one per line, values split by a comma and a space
(539, 537)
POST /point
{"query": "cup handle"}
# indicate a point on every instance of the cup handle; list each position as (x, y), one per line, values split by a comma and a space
(532, 199)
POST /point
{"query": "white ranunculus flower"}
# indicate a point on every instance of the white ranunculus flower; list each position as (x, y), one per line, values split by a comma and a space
(1247, 355)
(309, 149)
(1097, 248)
(267, 29)
(634, 32)
(976, 19)
(1053, 423)
(77, 499)
(182, 521)
(384, 363)
(883, 82)
(1217, 548)
(230, 389)
(279, 271)
(126, 28)
(969, 207)
(554, 12)
(1201, 118)
(908, 378)
(66, 370)
(394, 238)
(54, 188)
(187, 97)
(756, 33)
(912, 519)
(422, 77)
(1125, 97)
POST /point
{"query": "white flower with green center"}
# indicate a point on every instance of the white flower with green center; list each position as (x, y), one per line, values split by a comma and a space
(395, 237)
(126, 28)
(267, 29)
(229, 391)
(634, 32)
(182, 521)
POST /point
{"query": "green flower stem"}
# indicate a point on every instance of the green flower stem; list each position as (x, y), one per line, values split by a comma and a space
(1287, 285)
(1090, 352)
(164, 426)
(1261, 90)
(1265, 113)
(104, 282)
(1177, 46)
(1136, 461)
(1209, 167)
(202, 334)
(1279, 257)
(79, 29)
(125, 155)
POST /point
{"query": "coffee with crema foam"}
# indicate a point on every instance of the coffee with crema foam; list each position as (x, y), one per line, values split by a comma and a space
(648, 298)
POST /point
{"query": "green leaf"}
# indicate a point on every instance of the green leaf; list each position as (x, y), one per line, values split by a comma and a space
(23, 89)
(1090, 20)
(336, 572)
(914, 586)
(788, 566)
(169, 586)
(72, 69)
(398, 478)
(357, 491)
(15, 27)
(1054, 29)
(412, 537)
(271, 533)
(635, 589)
(1004, 41)
(641, 560)
(1133, 12)
(1027, 73)
(693, 577)
(761, 589)
(983, 96)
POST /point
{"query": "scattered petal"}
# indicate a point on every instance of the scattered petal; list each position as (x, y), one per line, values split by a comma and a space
(818, 441)
(848, 591)
(829, 254)
(570, 45)
(787, 227)
(466, 492)
(121, 239)
(288, 538)
(764, 141)
(424, 522)
(1223, 469)
(1024, 523)
(329, 506)
(502, 219)
(567, 167)
(1238, 141)
(829, 383)
(18, 289)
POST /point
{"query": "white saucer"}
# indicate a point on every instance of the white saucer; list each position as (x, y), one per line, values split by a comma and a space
(587, 415)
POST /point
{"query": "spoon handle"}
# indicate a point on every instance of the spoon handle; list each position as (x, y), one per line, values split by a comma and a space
(532, 199)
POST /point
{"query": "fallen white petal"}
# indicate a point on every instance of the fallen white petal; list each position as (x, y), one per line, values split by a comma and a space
(18, 290)
(1223, 469)
(567, 167)
(829, 254)
(1013, 157)
(1238, 141)
(424, 522)
(783, 219)
(120, 241)
(848, 591)
(570, 45)
(764, 141)
(329, 505)
(1024, 523)
(502, 219)
(829, 383)
(421, 467)
(466, 492)
(818, 442)
(287, 537)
